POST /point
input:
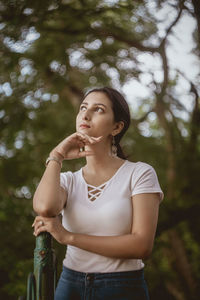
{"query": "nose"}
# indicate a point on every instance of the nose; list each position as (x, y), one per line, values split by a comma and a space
(86, 115)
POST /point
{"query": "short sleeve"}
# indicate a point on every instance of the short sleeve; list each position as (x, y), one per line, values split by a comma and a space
(145, 180)
(66, 180)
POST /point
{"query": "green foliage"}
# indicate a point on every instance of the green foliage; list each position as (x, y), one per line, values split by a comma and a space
(52, 52)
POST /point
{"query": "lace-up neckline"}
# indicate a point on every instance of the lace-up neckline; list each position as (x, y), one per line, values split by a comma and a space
(94, 192)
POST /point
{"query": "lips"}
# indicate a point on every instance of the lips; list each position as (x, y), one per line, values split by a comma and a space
(84, 126)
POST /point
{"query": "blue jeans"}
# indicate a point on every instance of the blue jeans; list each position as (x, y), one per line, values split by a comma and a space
(74, 285)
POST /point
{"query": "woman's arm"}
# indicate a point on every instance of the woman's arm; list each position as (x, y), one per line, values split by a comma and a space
(50, 198)
(137, 244)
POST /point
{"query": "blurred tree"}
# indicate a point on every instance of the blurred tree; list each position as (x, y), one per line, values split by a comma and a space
(51, 53)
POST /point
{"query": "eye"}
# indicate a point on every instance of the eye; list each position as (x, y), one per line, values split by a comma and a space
(99, 109)
(83, 108)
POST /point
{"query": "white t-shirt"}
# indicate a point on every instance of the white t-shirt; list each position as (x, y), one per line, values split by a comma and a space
(109, 214)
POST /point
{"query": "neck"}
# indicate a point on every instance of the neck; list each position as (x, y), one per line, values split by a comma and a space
(102, 157)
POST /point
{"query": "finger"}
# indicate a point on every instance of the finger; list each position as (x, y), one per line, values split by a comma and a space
(84, 137)
(35, 221)
(93, 138)
(80, 135)
(38, 225)
(40, 229)
(38, 218)
(44, 219)
(97, 139)
(81, 144)
(85, 153)
(40, 221)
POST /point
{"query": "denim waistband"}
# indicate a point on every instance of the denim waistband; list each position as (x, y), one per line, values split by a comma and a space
(137, 274)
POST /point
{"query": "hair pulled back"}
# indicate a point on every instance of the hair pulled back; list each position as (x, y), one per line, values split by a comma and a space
(121, 113)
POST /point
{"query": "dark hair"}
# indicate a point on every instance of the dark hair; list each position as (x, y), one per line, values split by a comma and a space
(120, 110)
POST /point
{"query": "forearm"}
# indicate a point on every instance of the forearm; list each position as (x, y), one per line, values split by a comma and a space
(47, 199)
(123, 246)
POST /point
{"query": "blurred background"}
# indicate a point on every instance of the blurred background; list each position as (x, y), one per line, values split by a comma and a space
(51, 53)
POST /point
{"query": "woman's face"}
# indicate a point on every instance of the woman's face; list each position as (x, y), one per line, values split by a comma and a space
(96, 117)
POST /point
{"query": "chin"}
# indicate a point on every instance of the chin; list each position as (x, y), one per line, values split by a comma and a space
(85, 130)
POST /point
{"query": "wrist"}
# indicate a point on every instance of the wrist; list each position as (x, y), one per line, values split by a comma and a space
(69, 238)
(54, 159)
(57, 155)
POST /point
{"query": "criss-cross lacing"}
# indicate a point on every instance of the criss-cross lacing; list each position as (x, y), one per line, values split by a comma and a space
(95, 191)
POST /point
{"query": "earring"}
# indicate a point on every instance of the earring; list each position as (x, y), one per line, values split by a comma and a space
(113, 148)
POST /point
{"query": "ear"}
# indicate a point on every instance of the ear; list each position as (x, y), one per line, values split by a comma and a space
(118, 128)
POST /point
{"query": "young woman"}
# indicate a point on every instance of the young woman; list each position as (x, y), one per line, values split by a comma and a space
(110, 206)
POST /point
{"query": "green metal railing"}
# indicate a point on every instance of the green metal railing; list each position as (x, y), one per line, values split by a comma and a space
(41, 283)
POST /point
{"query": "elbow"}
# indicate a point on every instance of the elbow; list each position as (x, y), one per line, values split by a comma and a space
(45, 211)
(140, 253)
(142, 247)
(43, 208)
(42, 212)
(146, 251)
(145, 254)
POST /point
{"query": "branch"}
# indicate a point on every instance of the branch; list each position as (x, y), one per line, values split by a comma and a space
(195, 119)
(102, 32)
(163, 55)
(178, 104)
(177, 130)
(121, 37)
(173, 23)
(142, 119)
(197, 15)
(162, 49)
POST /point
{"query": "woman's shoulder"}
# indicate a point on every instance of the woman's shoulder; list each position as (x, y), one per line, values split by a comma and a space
(68, 178)
(139, 165)
(140, 168)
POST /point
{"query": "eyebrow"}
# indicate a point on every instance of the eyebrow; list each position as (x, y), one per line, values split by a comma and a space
(95, 104)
